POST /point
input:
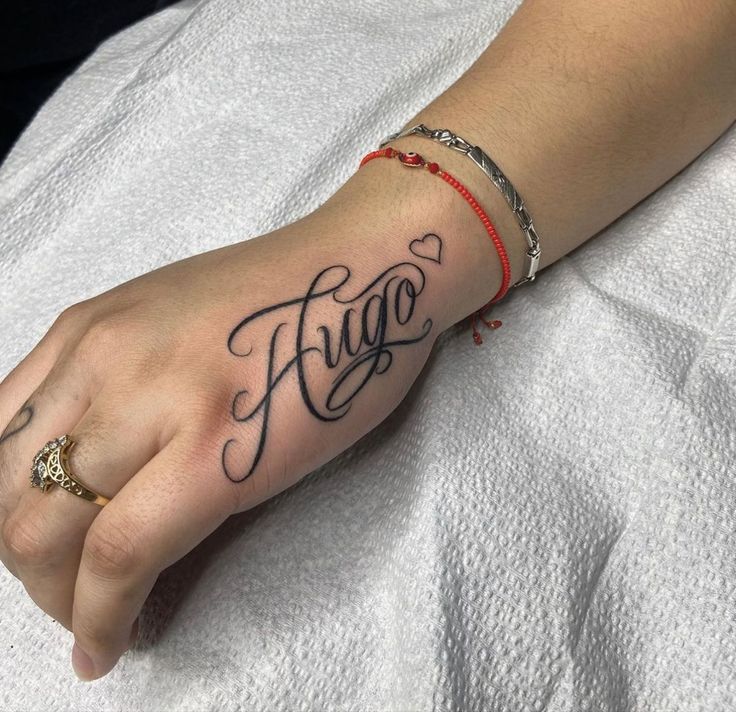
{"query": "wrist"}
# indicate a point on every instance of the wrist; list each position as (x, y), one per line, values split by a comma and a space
(394, 204)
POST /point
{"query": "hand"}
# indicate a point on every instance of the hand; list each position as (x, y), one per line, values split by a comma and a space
(209, 385)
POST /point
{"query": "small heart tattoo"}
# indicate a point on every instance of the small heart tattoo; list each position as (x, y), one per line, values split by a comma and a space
(429, 247)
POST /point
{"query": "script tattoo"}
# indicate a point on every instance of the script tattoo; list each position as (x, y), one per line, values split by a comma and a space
(335, 337)
(24, 417)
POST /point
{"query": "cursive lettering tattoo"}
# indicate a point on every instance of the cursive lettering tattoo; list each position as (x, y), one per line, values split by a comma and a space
(335, 337)
(24, 417)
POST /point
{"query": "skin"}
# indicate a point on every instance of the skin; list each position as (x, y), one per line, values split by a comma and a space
(587, 106)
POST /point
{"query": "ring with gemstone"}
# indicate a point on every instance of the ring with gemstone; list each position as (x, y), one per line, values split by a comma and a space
(51, 466)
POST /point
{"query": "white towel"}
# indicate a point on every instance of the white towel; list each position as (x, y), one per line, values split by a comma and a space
(566, 543)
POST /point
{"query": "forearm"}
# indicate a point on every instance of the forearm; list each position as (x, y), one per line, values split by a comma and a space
(587, 107)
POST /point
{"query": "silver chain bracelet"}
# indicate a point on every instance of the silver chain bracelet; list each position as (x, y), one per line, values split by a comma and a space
(483, 161)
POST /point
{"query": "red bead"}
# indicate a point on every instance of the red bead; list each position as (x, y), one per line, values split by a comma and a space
(389, 152)
(411, 159)
(433, 167)
(496, 323)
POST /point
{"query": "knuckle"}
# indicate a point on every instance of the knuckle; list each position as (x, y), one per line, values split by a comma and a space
(70, 315)
(127, 337)
(65, 328)
(110, 551)
(98, 335)
(25, 541)
(105, 337)
(70, 320)
(73, 313)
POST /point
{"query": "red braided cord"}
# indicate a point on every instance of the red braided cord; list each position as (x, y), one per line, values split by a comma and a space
(390, 152)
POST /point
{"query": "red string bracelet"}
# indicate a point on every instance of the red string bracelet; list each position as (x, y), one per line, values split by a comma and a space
(414, 160)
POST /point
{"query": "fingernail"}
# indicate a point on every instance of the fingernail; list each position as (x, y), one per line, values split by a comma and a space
(82, 664)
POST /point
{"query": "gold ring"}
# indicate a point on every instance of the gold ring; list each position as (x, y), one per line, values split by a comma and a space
(51, 466)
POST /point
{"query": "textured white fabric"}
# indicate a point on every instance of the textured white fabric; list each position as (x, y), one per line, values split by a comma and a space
(546, 523)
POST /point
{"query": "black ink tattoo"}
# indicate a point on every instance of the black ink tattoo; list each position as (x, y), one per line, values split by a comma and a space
(24, 415)
(335, 343)
(429, 247)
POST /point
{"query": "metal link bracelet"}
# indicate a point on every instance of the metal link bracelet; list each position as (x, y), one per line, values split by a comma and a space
(483, 161)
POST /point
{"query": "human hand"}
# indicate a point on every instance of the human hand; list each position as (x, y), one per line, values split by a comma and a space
(207, 386)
